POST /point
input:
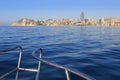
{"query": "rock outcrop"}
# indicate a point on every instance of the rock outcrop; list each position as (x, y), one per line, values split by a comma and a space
(25, 22)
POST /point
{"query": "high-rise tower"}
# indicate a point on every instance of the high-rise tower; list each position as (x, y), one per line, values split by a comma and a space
(82, 16)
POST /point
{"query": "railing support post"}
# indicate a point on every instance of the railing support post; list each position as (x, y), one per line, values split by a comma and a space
(67, 74)
(20, 55)
(19, 62)
(16, 78)
(39, 64)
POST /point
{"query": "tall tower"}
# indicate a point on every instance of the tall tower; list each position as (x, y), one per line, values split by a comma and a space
(82, 16)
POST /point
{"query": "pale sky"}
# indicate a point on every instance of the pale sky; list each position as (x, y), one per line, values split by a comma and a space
(12, 10)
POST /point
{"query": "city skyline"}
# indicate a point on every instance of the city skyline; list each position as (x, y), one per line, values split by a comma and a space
(12, 10)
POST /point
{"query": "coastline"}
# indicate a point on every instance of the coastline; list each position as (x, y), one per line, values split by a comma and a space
(68, 22)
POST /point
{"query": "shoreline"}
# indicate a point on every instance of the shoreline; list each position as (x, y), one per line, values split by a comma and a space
(64, 26)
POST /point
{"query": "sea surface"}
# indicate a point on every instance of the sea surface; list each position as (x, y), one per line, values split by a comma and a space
(94, 51)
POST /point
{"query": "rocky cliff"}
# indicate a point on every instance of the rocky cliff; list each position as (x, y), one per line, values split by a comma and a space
(25, 22)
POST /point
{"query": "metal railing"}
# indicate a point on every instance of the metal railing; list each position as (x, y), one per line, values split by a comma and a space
(67, 71)
(18, 65)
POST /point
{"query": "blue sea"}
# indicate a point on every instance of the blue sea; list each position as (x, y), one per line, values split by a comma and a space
(94, 51)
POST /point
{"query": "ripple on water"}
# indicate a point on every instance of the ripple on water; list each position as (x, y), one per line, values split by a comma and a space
(94, 51)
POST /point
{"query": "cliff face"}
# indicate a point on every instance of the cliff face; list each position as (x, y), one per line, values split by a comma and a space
(25, 22)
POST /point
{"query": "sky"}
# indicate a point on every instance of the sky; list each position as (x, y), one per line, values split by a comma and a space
(12, 10)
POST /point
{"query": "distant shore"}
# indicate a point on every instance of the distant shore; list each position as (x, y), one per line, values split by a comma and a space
(68, 22)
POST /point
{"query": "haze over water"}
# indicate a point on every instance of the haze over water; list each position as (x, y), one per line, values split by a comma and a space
(94, 51)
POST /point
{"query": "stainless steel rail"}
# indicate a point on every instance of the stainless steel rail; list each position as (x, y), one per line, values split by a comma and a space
(67, 71)
(19, 63)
